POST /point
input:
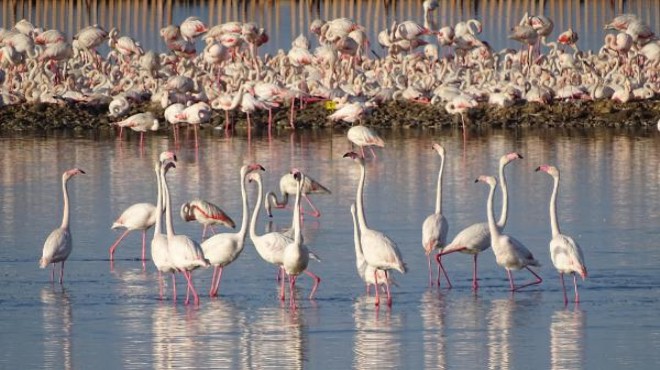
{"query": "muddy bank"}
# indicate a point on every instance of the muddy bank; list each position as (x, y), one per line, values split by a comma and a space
(604, 113)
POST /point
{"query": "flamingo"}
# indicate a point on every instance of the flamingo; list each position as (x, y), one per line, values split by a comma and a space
(140, 122)
(58, 244)
(351, 112)
(159, 249)
(568, 37)
(192, 28)
(475, 238)
(295, 257)
(186, 254)
(172, 114)
(139, 216)
(207, 214)
(565, 253)
(509, 252)
(364, 136)
(271, 246)
(461, 104)
(118, 106)
(288, 186)
(195, 114)
(223, 249)
(227, 102)
(365, 271)
(435, 226)
(380, 252)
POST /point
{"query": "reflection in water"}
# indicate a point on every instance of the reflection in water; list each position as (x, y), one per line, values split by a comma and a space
(276, 339)
(432, 309)
(500, 324)
(468, 319)
(377, 337)
(567, 339)
(58, 323)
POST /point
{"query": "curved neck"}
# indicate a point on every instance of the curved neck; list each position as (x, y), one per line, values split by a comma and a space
(158, 229)
(554, 225)
(65, 213)
(438, 197)
(359, 199)
(244, 224)
(168, 207)
(255, 213)
(494, 231)
(505, 198)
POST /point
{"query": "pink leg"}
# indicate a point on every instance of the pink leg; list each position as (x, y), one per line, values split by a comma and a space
(511, 284)
(62, 273)
(141, 140)
(577, 295)
(438, 258)
(216, 286)
(387, 288)
(373, 153)
(114, 246)
(428, 258)
(362, 151)
(538, 280)
(377, 293)
(160, 284)
(174, 287)
(317, 281)
(293, 112)
(204, 232)
(121, 130)
(292, 297)
(215, 273)
(192, 287)
(563, 287)
(144, 245)
(281, 271)
(475, 281)
(315, 212)
(196, 140)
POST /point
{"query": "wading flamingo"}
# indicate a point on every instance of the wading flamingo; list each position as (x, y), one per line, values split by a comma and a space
(58, 244)
(565, 253)
(380, 252)
(160, 254)
(364, 136)
(509, 252)
(207, 214)
(139, 216)
(365, 271)
(435, 226)
(288, 187)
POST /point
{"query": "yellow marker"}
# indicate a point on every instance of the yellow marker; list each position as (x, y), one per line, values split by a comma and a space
(330, 105)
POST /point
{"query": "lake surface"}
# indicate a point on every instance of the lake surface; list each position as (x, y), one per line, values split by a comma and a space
(284, 20)
(107, 317)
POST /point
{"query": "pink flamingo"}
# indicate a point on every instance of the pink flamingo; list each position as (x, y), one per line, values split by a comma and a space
(366, 272)
(139, 216)
(364, 136)
(288, 186)
(435, 226)
(509, 252)
(58, 245)
(223, 249)
(565, 253)
(160, 254)
(140, 122)
(207, 214)
(461, 104)
(228, 103)
(380, 252)
(195, 114)
(192, 27)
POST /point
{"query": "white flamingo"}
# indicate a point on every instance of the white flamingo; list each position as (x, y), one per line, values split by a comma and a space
(223, 249)
(58, 244)
(140, 122)
(380, 252)
(565, 253)
(160, 254)
(435, 226)
(186, 254)
(139, 216)
(509, 252)
(365, 271)
(364, 136)
(475, 238)
(288, 186)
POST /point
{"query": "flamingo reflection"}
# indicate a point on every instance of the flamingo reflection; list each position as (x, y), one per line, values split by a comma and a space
(58, 324)
(432, 307)
(500, 323)
(377, 337)
(276, 339)
(566, 339)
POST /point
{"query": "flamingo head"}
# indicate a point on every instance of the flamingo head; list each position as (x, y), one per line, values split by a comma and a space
(490, 180)
(187, 213)
(550, 170)
(251, 167)
(254, 176)
(351, 155)
(167, 156)
(511, 157)
(439, 148)
(72, 172)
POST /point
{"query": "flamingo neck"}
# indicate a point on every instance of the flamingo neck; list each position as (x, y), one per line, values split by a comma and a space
(158, 228)
(65, 213)
(255, 213)
(359, 255)
(296, 217)
(492, 226)
(168, 207)
(554, 225)
(438, 197)
(504, 214)
(359, 199)
(244, 221)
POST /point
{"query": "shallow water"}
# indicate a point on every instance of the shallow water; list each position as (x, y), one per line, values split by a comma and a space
(285, 20)
(112, 317)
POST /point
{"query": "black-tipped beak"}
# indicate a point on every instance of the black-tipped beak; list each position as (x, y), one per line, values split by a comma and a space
(520, 156)
(477, 180)
(538, 169)
(296, 175)
(262, 168)
(175, 158)
(81, 171)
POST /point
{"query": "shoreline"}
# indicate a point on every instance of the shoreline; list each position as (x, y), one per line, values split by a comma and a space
(600, 113)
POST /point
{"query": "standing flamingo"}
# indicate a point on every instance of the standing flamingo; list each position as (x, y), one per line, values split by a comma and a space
(223, 249)
(271, 246)
(565, 253)
(295, 257)
(509, 252)
(185, 253)
(364, 136)
(139, 216)
(380, 252)
(435, 226)
(159, 249)
(475, 238)
(365, 271)
(207, 214)
(58, 244)
(288, 187)
(140, 122)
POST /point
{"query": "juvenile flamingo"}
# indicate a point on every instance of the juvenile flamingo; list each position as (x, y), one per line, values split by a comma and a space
(509, 252)
(565, 253)
(380, 252)
(160, 254)
(435, 226)
(288, 187)
(223, 249)
(58, 244)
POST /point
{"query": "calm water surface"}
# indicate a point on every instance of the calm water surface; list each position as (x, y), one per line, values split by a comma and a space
(107, 317)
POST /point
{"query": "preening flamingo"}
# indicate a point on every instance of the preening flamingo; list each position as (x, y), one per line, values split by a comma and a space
(509, 252)
(365, 271)
(222, 249)
(58, 244)
(207, 214)
(364, 136)
(186, 254)
(288, 186)
(435, 226)
(160, 253)
(380, 252)
(565, 253)
(475, 238)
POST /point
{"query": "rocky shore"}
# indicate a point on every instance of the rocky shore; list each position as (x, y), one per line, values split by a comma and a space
(603, 113)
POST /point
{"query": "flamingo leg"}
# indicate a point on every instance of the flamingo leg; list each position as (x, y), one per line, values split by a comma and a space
(387, 288)
(216, 287)
(196, 140)
(373, 153)
(563, 287)
(188, 275)
(144, 246)
(577, 295)
(475, 281)
(315, 212)
(377, 294)
(279, 271)
(160, 284)
(438, 259)
(61, 272)
(174, 287)
(317, 281)
(52, 273)
(293, 113)
(538, 280)
(292, 297)
(362, 151)
(116, 244)
(204, 232)
(212, 229)
(428, 258)
(511, 284)
(367, 286)
(215, 272)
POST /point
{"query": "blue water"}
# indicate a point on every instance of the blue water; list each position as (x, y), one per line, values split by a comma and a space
(105, 317)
